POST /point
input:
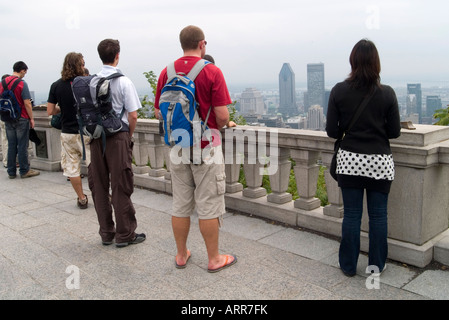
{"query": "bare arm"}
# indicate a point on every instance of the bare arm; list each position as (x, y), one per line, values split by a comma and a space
(222, 116)
(52, 109)
(132, 119)
(29, 109)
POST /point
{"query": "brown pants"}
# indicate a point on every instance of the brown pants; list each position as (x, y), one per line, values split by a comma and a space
(113, 170)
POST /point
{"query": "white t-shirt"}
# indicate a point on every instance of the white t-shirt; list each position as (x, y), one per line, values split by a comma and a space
(123, 92)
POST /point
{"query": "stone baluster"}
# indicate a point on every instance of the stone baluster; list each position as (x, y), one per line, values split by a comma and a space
(253, 170)
(279, 181)
(306, 174)
(141, 152)
(334, 197)
(156, 155)
(232, 168)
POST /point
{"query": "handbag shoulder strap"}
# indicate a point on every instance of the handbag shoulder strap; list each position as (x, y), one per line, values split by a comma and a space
(359, 111)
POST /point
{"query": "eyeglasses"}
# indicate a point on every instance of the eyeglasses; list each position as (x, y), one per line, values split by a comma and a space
(205, 42)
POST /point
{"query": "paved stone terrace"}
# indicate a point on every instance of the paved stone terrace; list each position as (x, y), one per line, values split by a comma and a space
(45, 239)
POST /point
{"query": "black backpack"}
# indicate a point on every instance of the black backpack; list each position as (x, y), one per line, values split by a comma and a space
(10, 109)
(96, 117)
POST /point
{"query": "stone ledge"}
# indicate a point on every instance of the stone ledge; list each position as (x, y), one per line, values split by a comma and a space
(441, 250)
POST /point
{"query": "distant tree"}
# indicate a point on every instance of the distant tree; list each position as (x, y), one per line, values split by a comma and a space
(147, 110)
(443, 116)
(233, 116)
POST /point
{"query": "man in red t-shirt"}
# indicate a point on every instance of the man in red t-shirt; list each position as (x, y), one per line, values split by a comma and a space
(201, 186)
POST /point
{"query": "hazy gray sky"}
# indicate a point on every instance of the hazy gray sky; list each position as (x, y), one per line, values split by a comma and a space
(249, 39)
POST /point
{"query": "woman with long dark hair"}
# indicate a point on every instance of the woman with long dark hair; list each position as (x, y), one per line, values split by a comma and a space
(364, 160)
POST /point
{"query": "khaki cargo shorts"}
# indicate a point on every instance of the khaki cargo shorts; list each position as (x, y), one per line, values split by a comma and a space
(202, 186)
(72, 154)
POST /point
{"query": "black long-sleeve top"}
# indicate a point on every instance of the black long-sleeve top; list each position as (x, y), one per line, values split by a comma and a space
(379, 122)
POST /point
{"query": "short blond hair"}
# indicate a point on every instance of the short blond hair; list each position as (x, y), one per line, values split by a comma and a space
(190, 36)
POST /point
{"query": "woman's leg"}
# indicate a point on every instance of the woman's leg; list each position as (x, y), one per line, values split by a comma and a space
(350, 232)
(378, 229)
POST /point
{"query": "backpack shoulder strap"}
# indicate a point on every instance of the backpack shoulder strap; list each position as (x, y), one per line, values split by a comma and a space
(6, 85)
(359, 111)
(114, 75)
(171, 72)
(15, 84)
(197, 69)
(194, 72)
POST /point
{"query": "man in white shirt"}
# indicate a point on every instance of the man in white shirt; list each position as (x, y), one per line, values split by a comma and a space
(114, 168)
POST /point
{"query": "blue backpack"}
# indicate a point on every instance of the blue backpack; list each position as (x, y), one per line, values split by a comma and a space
(10, 109)
(179, 108)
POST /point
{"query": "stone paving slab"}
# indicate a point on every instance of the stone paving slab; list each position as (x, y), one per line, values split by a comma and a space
(46, 239)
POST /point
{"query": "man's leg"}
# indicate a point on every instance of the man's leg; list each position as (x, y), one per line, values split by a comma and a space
(23, 136)
(210, 230)
(4, 144)
(12, 149)
(98, 178)
(181, 228)
(77, 185)
(118, 154)
(71, 155)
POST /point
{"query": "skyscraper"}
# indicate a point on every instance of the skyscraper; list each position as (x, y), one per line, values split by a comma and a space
(251, 102)
(433, 103)
(316, 94)
(414, 100)
(287, 93)
(316, 118)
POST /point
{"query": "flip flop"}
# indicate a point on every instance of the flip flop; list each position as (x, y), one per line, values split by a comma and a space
(226, 264)
(182, 266)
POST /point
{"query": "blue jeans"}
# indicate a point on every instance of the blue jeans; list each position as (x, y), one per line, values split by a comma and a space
(18, 134)
(350, 234)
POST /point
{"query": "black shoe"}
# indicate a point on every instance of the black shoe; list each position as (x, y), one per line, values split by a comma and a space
(137, 239)
(350, 275)
(82, 204)
(106, 243)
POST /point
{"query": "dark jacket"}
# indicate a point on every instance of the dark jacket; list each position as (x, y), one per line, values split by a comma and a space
(379, 122)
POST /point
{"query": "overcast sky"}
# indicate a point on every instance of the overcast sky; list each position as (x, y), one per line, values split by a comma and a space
(249, 39)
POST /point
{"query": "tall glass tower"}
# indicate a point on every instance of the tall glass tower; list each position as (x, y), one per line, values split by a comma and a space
(287, 93)
(414, 99)
(315, 86)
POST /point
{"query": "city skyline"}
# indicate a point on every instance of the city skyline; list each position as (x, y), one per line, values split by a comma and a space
(249, 40)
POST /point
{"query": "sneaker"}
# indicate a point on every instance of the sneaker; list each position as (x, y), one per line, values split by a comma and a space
(137, 239)
(30, 173)
(82, 204)
(12, 176)
(379, 273)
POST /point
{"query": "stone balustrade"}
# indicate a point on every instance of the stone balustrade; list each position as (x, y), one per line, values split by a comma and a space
(418, 202)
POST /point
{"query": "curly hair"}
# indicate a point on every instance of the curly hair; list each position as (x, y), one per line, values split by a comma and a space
(73, 66)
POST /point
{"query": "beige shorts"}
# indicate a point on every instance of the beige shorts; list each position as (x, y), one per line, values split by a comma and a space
(199, 186)
(72, 154)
